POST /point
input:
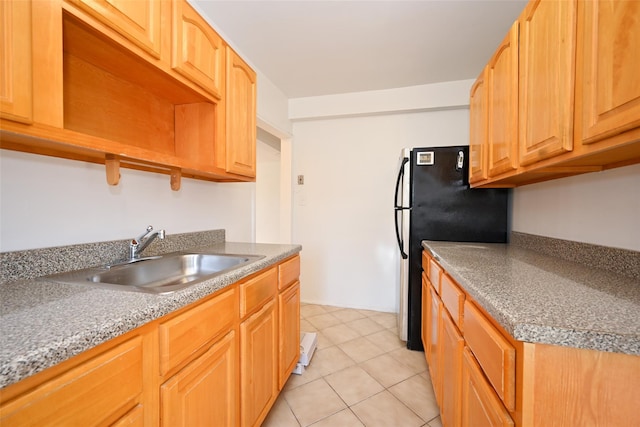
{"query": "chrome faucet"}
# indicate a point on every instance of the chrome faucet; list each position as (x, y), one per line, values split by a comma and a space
(137, 245)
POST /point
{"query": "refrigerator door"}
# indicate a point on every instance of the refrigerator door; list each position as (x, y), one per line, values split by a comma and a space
(402, 215)
(444, 207)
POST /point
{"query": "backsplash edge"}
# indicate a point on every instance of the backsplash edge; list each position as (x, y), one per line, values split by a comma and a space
(620, 261)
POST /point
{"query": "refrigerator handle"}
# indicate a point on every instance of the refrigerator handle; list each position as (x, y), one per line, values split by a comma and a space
(399, 208)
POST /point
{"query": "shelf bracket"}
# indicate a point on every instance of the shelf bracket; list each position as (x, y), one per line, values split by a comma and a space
(112, 164)
(176, 178)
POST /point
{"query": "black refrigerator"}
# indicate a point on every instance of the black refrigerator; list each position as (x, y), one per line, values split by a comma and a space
(433, 201)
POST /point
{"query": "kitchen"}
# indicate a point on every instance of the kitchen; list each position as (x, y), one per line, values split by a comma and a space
(596, 208)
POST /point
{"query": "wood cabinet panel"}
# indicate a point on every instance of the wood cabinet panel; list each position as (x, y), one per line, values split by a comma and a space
(205, 392)
(198, 52)
(134, 418)
(258, 290)
(288, 331)
(451, 369)
(494, 353)
(546, 79)
(434, 275)
(240, 116)
(288, 272)
(16, 93)
(608, 86)
(452, 299)
(479, 403)
(502, 106)
(97, 392)
(434, 342)
(140, 22)
(424, 315)
(478, 119)
(182, 336)
(258, 365)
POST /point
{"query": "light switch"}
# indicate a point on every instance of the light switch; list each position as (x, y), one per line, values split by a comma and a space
(300, 179)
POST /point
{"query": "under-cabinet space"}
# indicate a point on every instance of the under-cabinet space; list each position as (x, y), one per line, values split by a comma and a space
(111, 94)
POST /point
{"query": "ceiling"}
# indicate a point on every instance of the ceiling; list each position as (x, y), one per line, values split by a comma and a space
(312, 48)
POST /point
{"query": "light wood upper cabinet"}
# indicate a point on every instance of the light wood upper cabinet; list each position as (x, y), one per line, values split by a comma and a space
(608, 72)
(241, 116)
(198, 52)
(547, 65)
(502, 106)
(205, 392)
(140, 22)
(478, 129)
(16, 89)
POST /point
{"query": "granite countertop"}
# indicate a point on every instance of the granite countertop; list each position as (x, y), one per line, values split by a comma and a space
(542, 299)
(43, 323)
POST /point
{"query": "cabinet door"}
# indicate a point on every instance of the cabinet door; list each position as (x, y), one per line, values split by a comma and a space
(608, 89)
(502, 105)
(97, 392)
(451, 362)
(258, 365)
(16, 93)
(478, 130)
(241, 117)
(288, 331)
(140, 22)
(433, 342)
(546, 82)
(424, 315)
(480, 405)
(204, 393)
(197, 50)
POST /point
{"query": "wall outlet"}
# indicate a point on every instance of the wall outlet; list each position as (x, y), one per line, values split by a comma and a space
(300, 179)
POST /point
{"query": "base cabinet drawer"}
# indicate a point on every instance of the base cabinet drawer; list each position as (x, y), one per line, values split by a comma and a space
(100, 391)
(494, 353)
(480, 404)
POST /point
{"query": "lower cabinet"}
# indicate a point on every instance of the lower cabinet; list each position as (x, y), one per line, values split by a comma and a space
(482, 376)
(480, 406)
(288, 331)
(205, 392)
(220, 361)
(107, 388)
(451, 369)
(258, 365)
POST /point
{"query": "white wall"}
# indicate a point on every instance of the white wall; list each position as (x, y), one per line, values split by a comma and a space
(602, 208)
(268, 193)
(47, 201)
(343, 214)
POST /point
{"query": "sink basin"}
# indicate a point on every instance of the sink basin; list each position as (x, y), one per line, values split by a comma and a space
(160, 275)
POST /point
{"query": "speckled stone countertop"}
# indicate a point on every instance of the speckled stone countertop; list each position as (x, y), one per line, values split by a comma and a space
(542, 299)
(43, 323)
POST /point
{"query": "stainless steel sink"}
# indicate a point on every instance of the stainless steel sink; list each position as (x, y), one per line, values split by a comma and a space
(159, 275)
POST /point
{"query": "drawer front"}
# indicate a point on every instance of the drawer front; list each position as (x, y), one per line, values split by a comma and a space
(494, 353)
(181, 336)
(425, 262)
(453, 299)
(92, 393)
(434, 274)
(288, 272)
(257, 291)
(480, 404)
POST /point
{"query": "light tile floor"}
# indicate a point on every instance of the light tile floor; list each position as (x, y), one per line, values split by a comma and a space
(360, 375)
